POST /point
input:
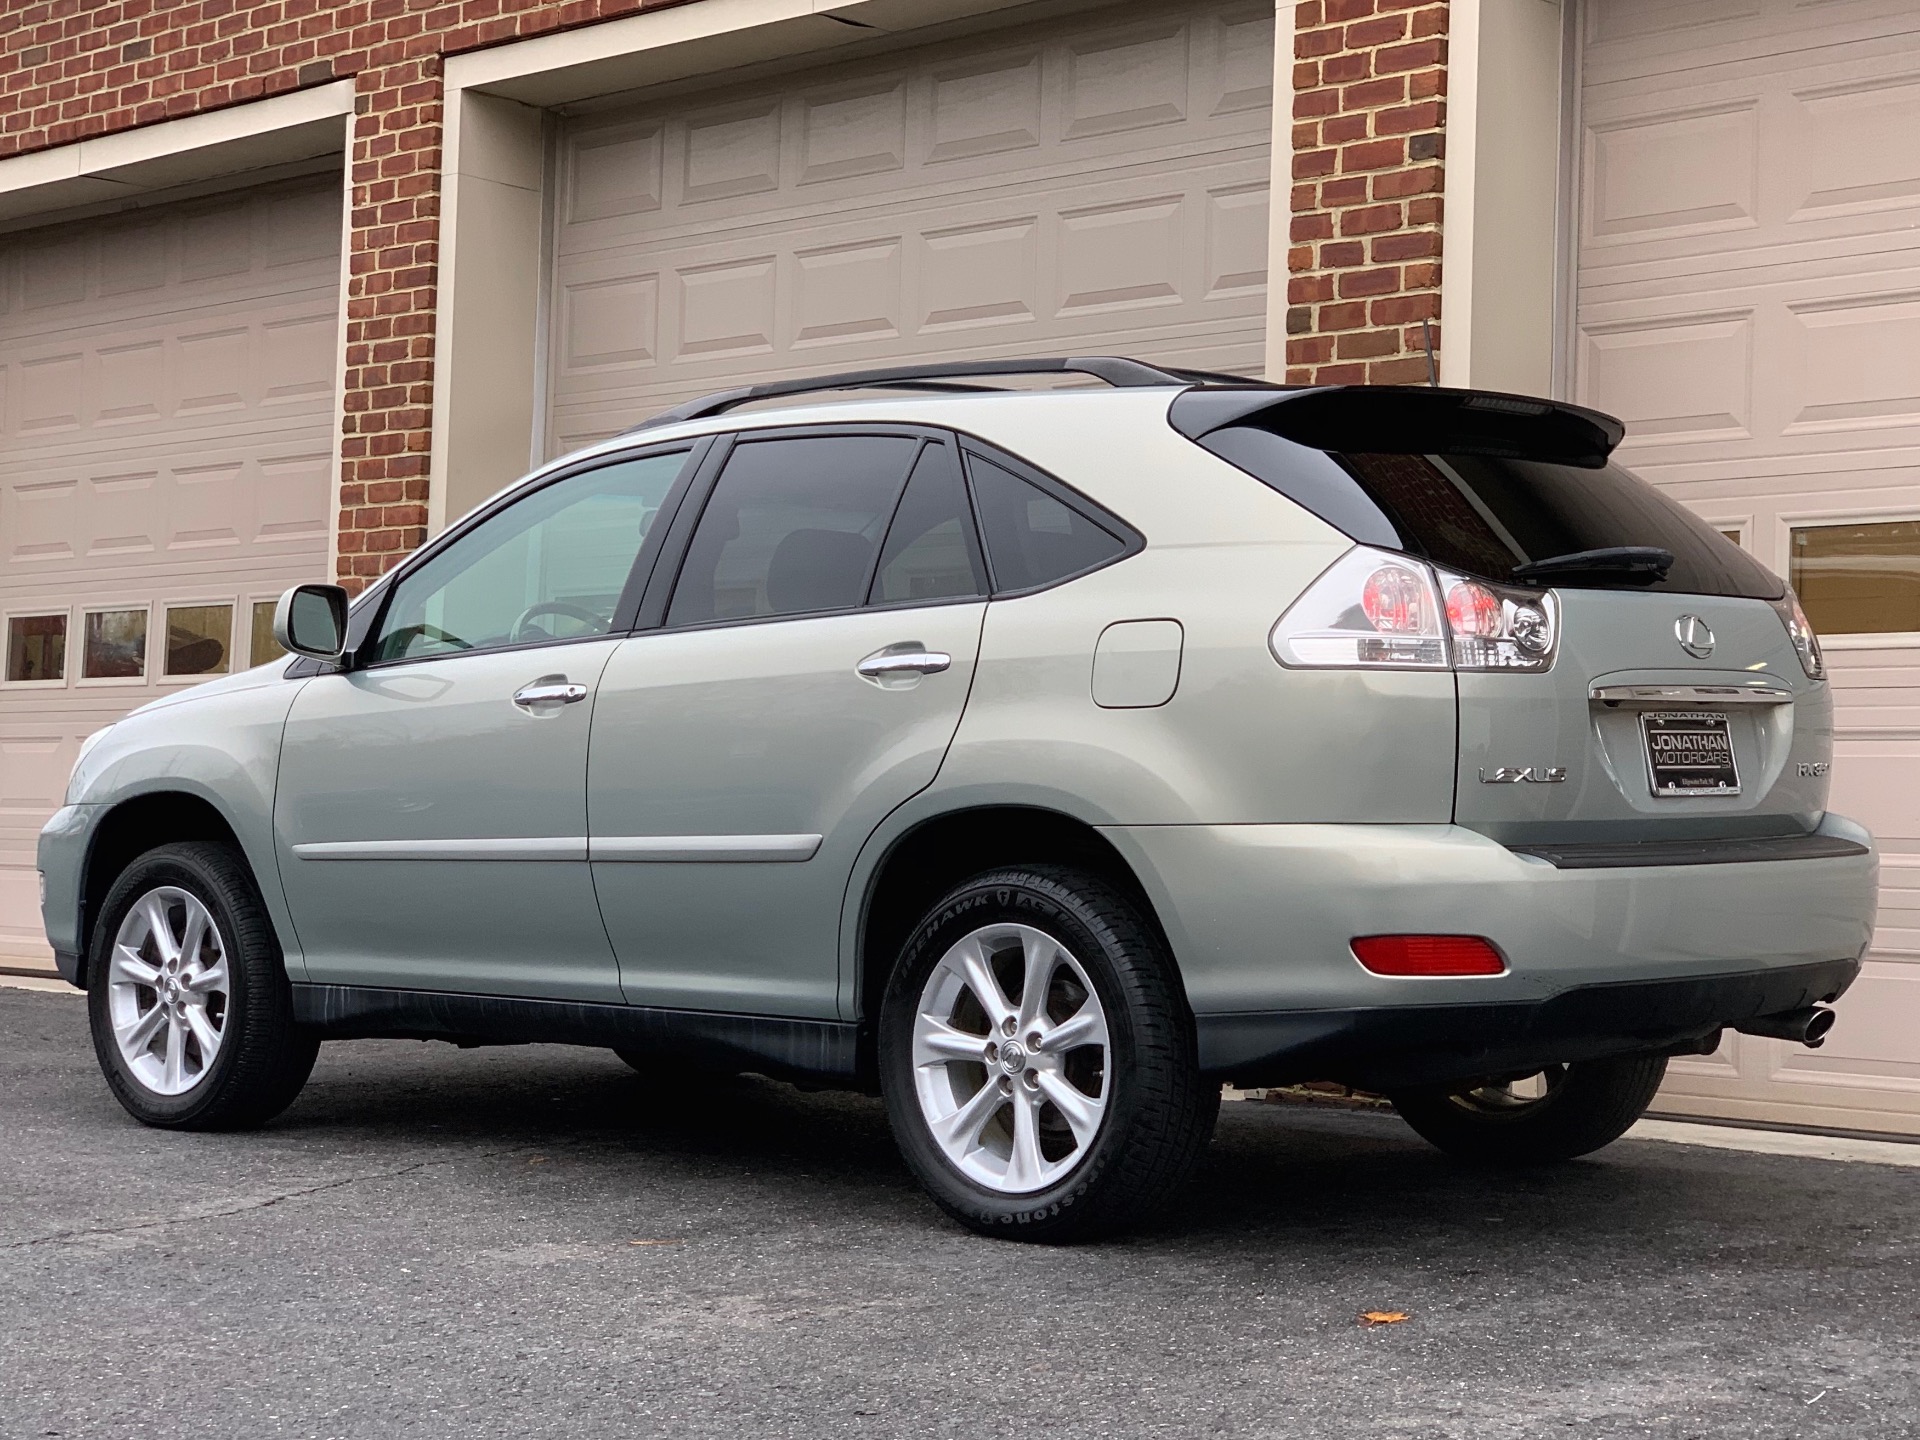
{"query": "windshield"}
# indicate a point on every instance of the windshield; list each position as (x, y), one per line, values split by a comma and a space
(1484, 515)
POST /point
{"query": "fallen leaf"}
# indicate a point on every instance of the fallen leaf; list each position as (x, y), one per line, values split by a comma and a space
(1382, 1317)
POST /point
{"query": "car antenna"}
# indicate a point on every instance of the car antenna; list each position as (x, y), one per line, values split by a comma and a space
(1433, 374)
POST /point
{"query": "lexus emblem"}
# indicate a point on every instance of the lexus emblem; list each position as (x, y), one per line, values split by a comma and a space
(1695, 636)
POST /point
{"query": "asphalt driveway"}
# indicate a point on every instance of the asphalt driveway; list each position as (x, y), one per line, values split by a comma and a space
(525, 1242)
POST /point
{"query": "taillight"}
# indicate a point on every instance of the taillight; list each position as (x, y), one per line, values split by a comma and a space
(1806, 644)
(1428, 955)
(1371, 610)
(1376, 610)
(1496, 627)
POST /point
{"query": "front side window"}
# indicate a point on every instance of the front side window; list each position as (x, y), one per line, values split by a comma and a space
(551, 566)
(794, 526)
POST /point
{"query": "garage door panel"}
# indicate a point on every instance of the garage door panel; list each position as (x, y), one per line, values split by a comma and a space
(1749, 302)
(166, 439)
(1100, 183)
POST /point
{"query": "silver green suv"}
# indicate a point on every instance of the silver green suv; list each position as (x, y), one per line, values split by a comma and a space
(1039, 758)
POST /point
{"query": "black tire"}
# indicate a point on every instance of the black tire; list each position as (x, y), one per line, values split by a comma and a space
(263, 1058)
(1160, 1112)
(1587, 1105)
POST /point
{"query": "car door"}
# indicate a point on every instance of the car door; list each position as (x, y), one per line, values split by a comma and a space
(431, 808)
(802, 677)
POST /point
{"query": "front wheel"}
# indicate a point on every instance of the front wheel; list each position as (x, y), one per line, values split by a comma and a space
(187, 997)
(1037, 1059)
(1556, 1114)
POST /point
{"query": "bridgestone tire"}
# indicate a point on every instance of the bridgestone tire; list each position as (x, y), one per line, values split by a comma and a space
(1594, 1105)
(1160, 1111)
(264, 1058)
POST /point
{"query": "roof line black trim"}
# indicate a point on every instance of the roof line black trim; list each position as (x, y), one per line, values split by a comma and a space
(1116, 370)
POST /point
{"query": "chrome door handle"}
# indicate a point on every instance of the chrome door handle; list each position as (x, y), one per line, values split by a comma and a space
(549, 690)
(895, 661)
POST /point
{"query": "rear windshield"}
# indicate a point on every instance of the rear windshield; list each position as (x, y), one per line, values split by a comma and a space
(1484, 514)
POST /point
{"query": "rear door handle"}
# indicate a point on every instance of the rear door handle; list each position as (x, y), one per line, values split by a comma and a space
(897, 661)
(549, 691)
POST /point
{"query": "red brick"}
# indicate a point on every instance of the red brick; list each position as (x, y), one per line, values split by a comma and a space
(1407, 370)
(1370, 220)
(1382, 30)
(1373, 154)
(1416, 56)
(1367, 345)
(1348, 315)
(1356, 283)
(1412, 245)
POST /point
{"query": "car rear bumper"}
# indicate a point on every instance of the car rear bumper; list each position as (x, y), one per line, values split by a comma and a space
(1261, 919)
(1390, 1047)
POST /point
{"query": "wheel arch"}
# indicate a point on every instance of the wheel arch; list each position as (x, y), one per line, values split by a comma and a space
(939, 851)
(128, 829)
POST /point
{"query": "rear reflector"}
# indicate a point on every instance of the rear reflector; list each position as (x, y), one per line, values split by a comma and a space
(1428, 955)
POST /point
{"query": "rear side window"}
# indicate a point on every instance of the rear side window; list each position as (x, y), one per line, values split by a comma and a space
(794, 525)
(929, 554)
(1032, 538)
(1485, 514)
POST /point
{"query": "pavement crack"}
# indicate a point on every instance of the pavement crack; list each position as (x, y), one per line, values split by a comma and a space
(263, 1202)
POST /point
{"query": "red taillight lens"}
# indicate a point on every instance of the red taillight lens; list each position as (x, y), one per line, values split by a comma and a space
(1392, 600)
(1428, 955)
(1474, 610)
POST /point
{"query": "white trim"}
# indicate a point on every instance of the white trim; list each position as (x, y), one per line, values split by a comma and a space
(684, 849)
(1456, 239)
(131, 163)
(1280, 192)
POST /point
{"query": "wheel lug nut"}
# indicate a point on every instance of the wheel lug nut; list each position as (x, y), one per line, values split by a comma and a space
(1033, 1041)
(1006, 1085)
(992, 1053)
(1008, 1026)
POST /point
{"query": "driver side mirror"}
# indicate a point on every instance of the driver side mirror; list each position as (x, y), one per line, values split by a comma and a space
(311, 620)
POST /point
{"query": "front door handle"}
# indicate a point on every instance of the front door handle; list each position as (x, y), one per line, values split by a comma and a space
(900, 662)
(548, 693)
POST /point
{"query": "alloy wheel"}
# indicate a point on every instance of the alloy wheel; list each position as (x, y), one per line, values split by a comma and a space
(1011, 1058)
(169, 990)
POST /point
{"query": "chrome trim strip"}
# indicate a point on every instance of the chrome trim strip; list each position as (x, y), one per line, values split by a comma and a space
(568, 847)
(684, 849)
(1660, 695)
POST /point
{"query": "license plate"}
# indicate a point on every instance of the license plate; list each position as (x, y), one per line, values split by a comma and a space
(1689, 753)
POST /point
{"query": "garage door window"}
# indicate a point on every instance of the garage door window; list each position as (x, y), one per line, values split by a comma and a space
(114, 645)
(1858, 579)
(261, 646)
(198, 638)
(37, 649)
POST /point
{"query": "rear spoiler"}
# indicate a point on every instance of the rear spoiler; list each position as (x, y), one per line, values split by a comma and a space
(1407, 420)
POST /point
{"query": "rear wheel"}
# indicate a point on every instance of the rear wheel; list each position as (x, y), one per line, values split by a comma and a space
(1555, 1114)
(187, 996)
(1037, 1059)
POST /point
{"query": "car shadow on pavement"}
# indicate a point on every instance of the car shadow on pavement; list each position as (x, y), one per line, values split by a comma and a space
(1286, 1174)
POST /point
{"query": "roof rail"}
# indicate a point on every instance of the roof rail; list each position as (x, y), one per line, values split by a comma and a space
(951, 376)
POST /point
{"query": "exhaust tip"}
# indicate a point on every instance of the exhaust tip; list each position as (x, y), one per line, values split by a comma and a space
(1818, 1024)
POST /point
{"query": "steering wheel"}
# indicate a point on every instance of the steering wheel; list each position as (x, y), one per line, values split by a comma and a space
(400, 642)
(593, 618)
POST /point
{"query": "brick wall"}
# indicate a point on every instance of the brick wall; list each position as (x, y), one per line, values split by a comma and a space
(1369, 141)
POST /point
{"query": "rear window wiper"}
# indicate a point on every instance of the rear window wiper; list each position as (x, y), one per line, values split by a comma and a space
(1648, 562)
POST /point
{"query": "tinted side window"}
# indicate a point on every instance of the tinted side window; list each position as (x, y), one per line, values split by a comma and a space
(548, 567)
(794, 525)
(929, 554)
(1033, 539)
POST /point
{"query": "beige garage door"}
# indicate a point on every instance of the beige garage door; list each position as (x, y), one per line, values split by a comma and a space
(1749, 301)
(1091, 185)
(166, 404)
